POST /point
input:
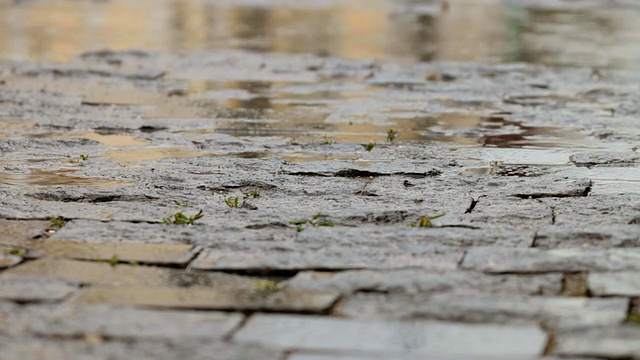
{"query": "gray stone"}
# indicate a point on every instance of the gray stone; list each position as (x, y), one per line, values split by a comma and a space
(391, 338)
(602, 236)
(105, 275)
(506, 260)
(258, 298)
(609, 342)
(458, 237)
(33, 289)
(423, 281)
(624, 283)
(95, 348)
(331, 257)
(473, 307)
(124, 323)
(605, 158)
(7, 261)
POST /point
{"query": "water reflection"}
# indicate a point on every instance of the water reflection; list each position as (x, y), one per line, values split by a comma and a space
(51, 178)
(404, 30)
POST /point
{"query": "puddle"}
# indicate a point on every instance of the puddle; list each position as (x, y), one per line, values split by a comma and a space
(110, 140)
(608, 180)
(486, 31)
(137, 155)
(302, 157)
(51, 178)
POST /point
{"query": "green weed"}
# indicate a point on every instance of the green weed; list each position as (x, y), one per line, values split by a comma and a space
(16, 252)
(266, 286)
(181, 219)
(232, 202)
(370, 146)
(391, 135)
(425, 222)
(114, 260)
(57, 222)
(84, 157)
(317, 220)
(253, 193)
(181, 204)
(634, 318)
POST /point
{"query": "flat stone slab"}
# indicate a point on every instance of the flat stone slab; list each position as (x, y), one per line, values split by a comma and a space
(472, 307)
(287, 300)
(505, 260)
(623, 283)
(130, 323)
(166, 254)
(449, 236)
(102, 274)
(601, 236)
(392, 338)
(33, 289)
(611, 343)
(331, 257)
(424, 281)
(7, 261)
(60, 349)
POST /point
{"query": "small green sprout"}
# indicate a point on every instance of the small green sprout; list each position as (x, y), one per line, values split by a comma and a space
(266, 286)
(255, 193)
(232, 202)
(180, 219)
(634, 318)
(391, 135)
(370, 146)
(57, 222)
(425, 222)
(327, 141)
(317, 220)
(114, 260)
(181, 204)
(16, 252)
(84, 157)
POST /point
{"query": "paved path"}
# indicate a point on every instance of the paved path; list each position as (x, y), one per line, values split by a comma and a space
(225, 205)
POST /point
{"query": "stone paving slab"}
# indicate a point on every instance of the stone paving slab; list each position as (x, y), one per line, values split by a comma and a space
(505, 260)
(424, 281)
(609, 342)
(391, 338)
(464, 306)
(33, 289)
(286, 300)
(167, 254)
(623, 283)
(457, 237)
(49, 349)
(129, 323)
(601, 236)
(331, 257)
(103, 274)
(306, 356)
(7, 261)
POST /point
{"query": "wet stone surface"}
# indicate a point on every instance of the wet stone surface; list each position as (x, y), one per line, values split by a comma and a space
(499, 217)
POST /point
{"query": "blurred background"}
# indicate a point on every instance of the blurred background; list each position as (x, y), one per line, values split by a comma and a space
(604, 34)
